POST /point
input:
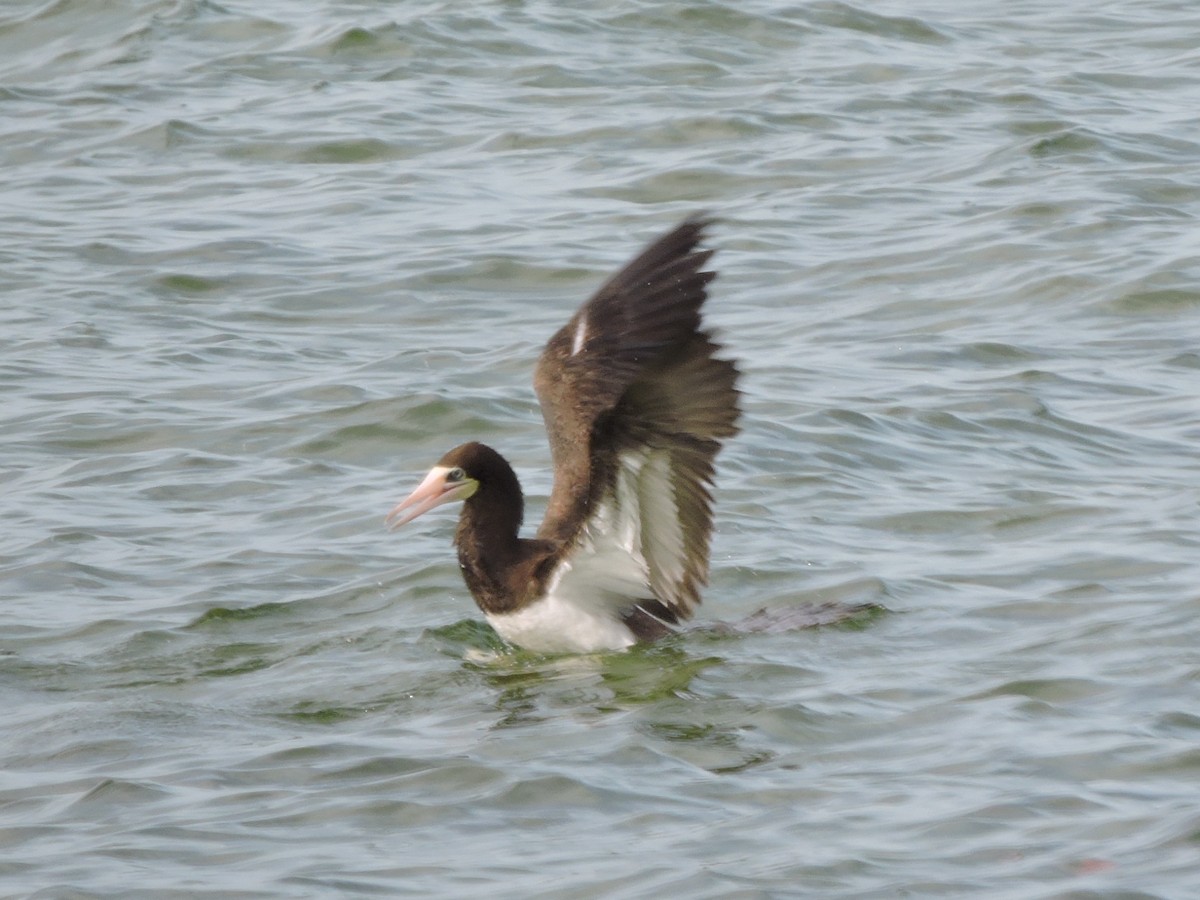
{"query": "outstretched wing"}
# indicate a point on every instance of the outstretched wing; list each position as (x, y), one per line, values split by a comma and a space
(636, 403)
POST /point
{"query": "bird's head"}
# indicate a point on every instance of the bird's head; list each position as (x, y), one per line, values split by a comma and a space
(453, 478)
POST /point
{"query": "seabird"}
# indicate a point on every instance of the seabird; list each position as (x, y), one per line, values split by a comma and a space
(636, 403)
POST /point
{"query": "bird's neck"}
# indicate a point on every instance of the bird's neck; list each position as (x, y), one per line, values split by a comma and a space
(490, 550)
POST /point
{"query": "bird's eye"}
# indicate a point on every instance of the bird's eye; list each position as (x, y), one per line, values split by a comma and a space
(456, 474)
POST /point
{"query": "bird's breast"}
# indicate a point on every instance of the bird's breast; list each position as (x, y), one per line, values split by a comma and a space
(554, 624)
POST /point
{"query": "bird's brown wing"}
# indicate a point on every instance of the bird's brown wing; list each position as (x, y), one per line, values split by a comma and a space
(636, 404)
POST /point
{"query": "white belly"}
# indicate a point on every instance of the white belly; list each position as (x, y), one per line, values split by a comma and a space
(554, 625)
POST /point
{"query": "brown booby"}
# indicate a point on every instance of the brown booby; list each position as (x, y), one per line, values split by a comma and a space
(636, 403)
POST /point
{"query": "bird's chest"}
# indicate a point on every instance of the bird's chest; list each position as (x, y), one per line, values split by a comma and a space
(553, 624)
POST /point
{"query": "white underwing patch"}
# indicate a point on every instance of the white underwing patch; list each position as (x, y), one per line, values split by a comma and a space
(661, 531)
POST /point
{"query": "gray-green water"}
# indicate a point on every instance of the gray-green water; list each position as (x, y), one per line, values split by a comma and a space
(261, 263)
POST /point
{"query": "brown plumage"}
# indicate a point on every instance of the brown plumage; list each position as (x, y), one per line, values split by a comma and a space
(636, 404)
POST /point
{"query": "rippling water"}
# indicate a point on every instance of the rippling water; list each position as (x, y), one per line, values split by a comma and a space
(262, 263)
